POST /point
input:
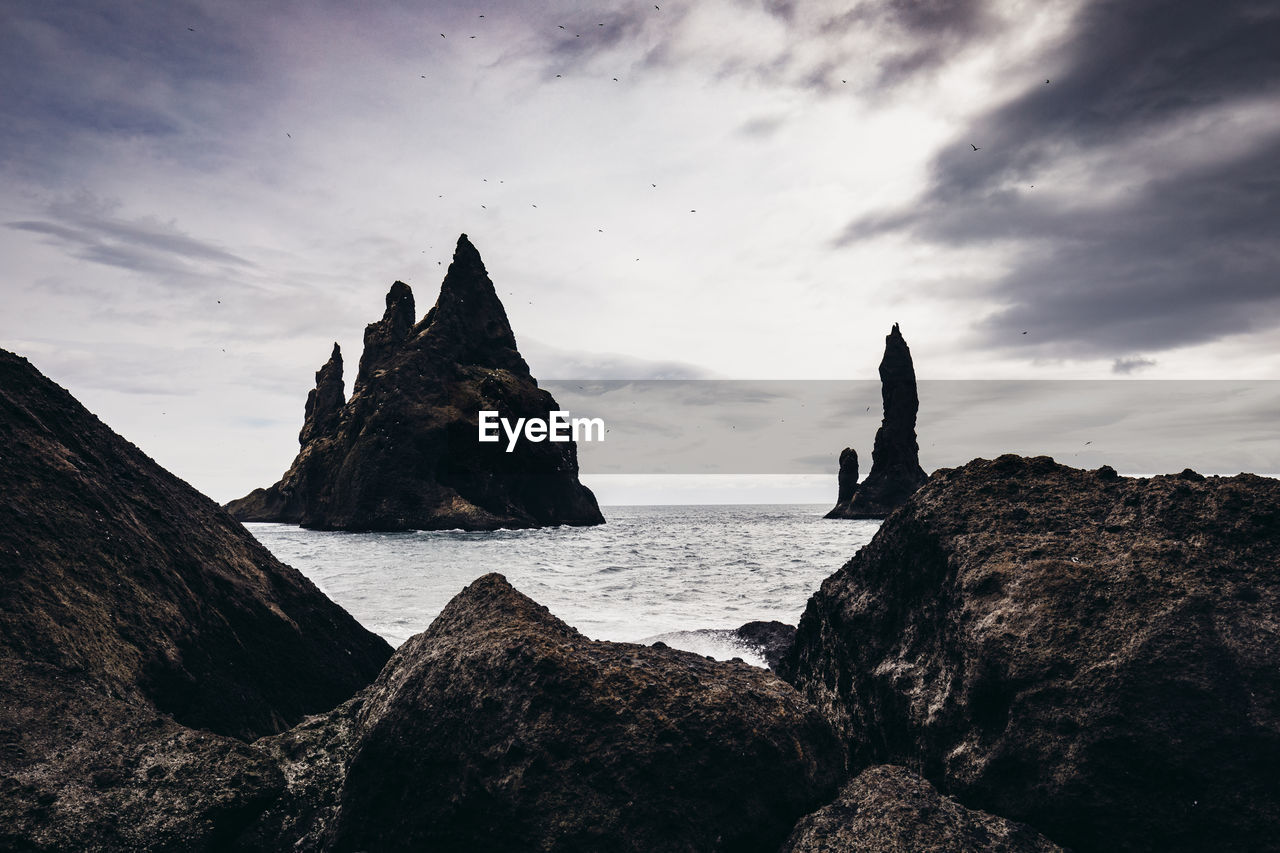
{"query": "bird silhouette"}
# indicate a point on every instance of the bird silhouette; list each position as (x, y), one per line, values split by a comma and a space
(290, 135)
(974, 147)
(191, 29)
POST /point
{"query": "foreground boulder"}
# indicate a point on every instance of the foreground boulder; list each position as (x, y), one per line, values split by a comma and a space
(403, 453)
(502, 728)
(115, 570)
(889, 809)
(895, 458)
(1095, 655)
(142, 631)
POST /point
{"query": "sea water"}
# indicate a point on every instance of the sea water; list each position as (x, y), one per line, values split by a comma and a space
(687, 575)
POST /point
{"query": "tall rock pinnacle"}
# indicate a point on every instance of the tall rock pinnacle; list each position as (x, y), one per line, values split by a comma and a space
(403, 452)
(325, 402)
(895, 458)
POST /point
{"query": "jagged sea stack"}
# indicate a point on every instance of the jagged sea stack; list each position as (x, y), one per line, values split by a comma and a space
(895, 458)
(403, 452)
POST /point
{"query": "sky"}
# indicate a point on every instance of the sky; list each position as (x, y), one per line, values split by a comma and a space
(198, 198)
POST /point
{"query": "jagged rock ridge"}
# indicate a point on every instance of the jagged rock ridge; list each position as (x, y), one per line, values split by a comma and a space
(895, 458)
(402, 453)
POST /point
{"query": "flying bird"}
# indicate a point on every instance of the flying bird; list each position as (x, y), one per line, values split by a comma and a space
(290, 135)
(974, 147)
(1046, 82)
(191, 29)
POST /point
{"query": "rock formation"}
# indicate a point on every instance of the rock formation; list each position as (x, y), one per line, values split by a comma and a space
(402, 453)
(502, 728)
(142, 630)
(771, 639)
(1091, 654)
(895, 458)
(889, 809)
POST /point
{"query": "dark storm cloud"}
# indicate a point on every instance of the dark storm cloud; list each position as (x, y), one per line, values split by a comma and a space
(1184, 257)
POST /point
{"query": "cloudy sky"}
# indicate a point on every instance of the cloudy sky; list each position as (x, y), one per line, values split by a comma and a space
(198, 198)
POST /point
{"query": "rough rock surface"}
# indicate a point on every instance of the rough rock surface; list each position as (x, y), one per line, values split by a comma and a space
(402, 453)
(1095, 655)
(502, 728)
(128, 601)
(895, 458)
(772, 639)
(889, 809)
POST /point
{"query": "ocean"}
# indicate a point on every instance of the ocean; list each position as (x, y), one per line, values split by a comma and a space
(686, 575)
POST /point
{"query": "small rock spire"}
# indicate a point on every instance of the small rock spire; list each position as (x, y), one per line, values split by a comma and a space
(383, 337)
(325, 402)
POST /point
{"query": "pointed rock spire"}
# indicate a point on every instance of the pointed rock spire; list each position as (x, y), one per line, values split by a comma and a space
(468, 324)
(848, 477)
(895, 458)
(385, 336)
(325, 402)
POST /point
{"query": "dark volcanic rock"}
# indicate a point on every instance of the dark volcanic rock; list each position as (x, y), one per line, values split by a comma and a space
(128, 601)
(895, 458)
(889, 809)
(847, 480)
(772, 639)
(1095, 655)
(113, 568)
(325, 402)
(502, 728)
(402, 453)
(84, 771)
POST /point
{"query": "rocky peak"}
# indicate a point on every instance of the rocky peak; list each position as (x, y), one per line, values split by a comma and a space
(468, 324)
(385, 336)
(325, 402)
